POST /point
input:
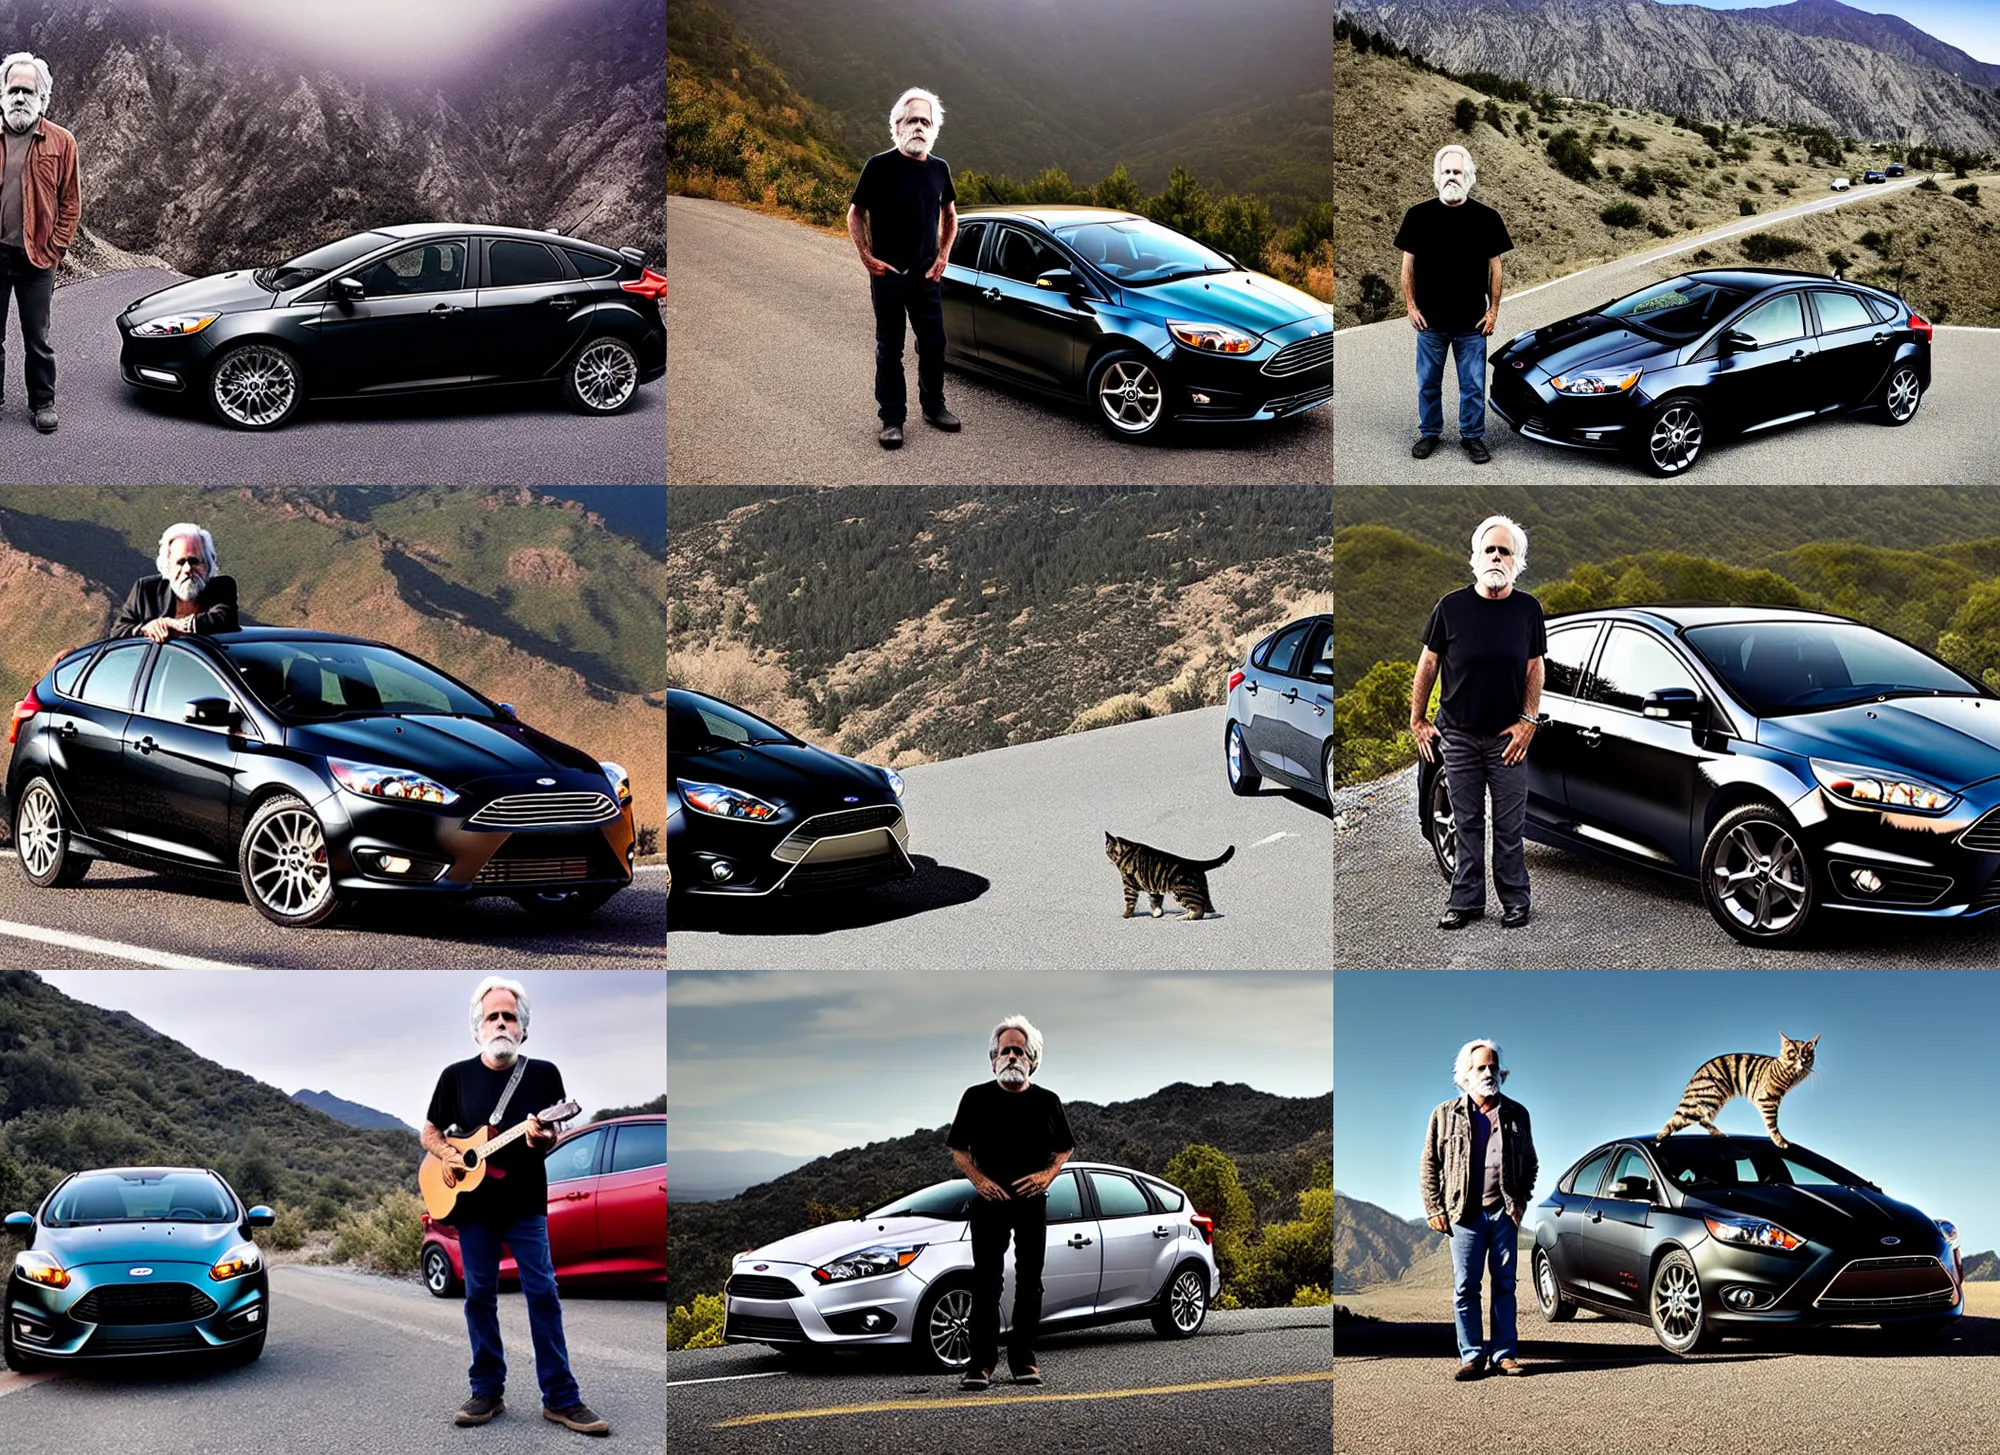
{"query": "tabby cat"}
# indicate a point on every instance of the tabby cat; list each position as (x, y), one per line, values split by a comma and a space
(1760, 1079)
(1159, 873)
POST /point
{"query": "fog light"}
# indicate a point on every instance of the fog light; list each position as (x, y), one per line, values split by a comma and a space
(871, 1322)
(30, 1332)
(1739, 1298)
(1866, 880)
(720, 872)
(393, 864)
(253, 1316)
(1201, 399)
(159, 376)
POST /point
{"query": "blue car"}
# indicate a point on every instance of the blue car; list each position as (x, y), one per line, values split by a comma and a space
(127, 1262)
(1144, 324)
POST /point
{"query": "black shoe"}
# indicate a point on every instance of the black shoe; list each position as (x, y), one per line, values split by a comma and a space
(1421, 450)
(1516, 916)
(943, 419)
(976, 1379)
(1470, 1369)
(578, 1417)
(891, 436)
(1477, 451)
(479, 1409)
(45, 419)
(1458, 919)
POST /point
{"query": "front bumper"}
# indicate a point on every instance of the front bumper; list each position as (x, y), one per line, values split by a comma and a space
(1288, 373)
(801, 851)
(1537, 412)
(111, 1317)
(866, 1311)
(1825, 1286)
(378, 845)
(172, 365)
(1927, 865)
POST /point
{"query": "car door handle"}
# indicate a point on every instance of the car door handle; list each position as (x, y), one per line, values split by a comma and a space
(146, 744)
(1292, 695)
(1163, 1232)
(1590, 735)
(575, 1196)
(66, 728)
(1250, 685)
(1319, 710)
(562, 302)
(1597, 1217)
(1880, 338)
(1079, 1241)
(445, 310)
(1797, 355)
(991, 295)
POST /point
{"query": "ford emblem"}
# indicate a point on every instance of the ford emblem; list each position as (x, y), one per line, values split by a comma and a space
(1520, 363)
(759, 1267)
(1890, 1242)
(1313, 334)
(140, 1272)
(546, 782)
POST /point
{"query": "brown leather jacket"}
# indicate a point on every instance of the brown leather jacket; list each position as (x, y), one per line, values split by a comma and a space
(51, 198)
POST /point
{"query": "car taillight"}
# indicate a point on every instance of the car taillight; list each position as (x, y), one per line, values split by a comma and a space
(648, 284)
(1206, 1226)
(1234, 678)
(1921, 326)
(26, 708)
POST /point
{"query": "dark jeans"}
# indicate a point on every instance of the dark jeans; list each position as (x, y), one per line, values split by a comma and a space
(896, 295)
(528, 1241)
(20, 278)
(1027, 1219)
(1472, 762)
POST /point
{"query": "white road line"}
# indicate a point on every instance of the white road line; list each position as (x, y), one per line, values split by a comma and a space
(15, 1383)
(725, 1378)
(112, 949)
(1273, 838)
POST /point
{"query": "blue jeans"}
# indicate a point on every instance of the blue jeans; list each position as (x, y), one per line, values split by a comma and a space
(1488, 1239)
(528, 1240)
(1470, 350)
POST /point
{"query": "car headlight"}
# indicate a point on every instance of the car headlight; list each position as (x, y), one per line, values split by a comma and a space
(869, 1262)
(895, 781)
(41, 1268)
(1874, 788)
(621, 782)
(178, 325)
(243, 1258)
(1950, 1231)
(1212, 338)
(1753, 1233)
(725, 802)
(1613, 383)
(398, 783)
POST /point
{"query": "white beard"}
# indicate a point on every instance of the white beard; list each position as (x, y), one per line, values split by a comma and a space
(502, 1048)
(188, 590)
(1496, 578)
(23, 118)
(1485, 1087)
(1452, 192)
(1012, 1074)
(916, 147)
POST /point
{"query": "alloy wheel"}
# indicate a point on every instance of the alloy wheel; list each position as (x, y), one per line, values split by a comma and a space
(287, 862)
(1676, 438)
(1444, 829)
(38, 831)
(950, 1329)
(1545, 1281)
(1677, 1302)
(605, 375)
(437, 1271)
(1759, 877)
(1188, 1302)
(1235, 754)
(1903, 394)
(1130, 396)
(255, 386)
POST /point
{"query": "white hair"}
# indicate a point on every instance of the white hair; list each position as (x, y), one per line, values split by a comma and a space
(1520, 539)
(43, 81)
(486, 987)
(916, 93)
(1437, 165)
(1461, 1068)
(164, 558)
(1025, 1027)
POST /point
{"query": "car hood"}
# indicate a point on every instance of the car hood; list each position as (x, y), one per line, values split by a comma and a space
(1247, 300)
(453, 750)
(222, 293)
(1585, 341)
(1840, 1216)
(138, 1243)
(787, 771)
(1953, 742)
(836, 1240)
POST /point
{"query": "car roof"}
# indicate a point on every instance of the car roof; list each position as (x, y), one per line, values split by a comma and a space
(1051, 214)
(1700, 614)
(145, 1172)
(1761, 278)
(482, 229)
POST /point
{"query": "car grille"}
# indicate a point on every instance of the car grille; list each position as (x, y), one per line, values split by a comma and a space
(762, 1326)
(166, 1303)
(111, 1341)
(539, 810)
(532, 871)
(760, 1285)
(1296, 358)
(1286, 403)
(1988, 897)
(1983, 836)
(830, 825)
(1908, 1282)
(1517, 400)
(1903, 887)
(849, 873)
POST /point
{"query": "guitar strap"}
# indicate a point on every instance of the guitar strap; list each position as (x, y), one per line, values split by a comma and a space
(500, 1107)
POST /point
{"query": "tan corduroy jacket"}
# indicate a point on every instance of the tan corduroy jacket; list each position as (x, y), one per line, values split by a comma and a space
(51, 197)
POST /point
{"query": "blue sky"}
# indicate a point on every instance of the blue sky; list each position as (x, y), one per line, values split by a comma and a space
(1900, 1091)
(1971, 25)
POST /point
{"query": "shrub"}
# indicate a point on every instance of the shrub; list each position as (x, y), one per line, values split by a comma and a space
(1311, 1295)
(1768, 247)
(1621, 214)
(1377, 298)
(1642, 183)
(1571, 155)
(1929, 184)
(647, 839)
(1465, 114)
(1878, 241)
(388, 1236)
(1968, 193)
(1745, 207)
(287, 1233)
(698, 1326)
(1493, 117)
(1838, 261)
(1658, 228)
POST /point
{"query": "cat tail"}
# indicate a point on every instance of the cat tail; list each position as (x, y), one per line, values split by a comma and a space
(1227, 854)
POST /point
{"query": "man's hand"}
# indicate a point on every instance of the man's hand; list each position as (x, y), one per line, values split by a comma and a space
(936, 270)
(987, 1188)
(537, 1133)
(1034, 1184)
(875, 266)
(1518, 736)
(158, 629)
(1440, 1224)
(1426, 733)
(1492, 318)
(1417, 319)
(452, 1158)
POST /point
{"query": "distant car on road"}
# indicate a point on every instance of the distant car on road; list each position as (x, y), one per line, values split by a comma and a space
(1144, 324)
(412, 308)
(1121, 1245)
(1872, 177)
(1280, 714)
(1841, 184)
(136, 1262)
(1661, 372)
(1894, 169)
(607, 1211)
(1705, 1237)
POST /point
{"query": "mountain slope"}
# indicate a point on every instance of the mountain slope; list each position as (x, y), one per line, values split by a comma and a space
(1372, 1245)
(353, 1113)
(1889, 35)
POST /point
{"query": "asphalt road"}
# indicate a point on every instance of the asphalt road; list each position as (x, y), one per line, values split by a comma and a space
(1602, 1387)
(113, 434)
(1010, 851)
(771, 369)
(1948, 443)
(140, 918)
(1252, 1379)
(354, 1363)
(1588, 915)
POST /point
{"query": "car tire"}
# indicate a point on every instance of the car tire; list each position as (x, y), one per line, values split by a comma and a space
(282, 863)
(1127, 395)
(1902, 392)
(942, 1334)
(1244, 779)
(1326, 772)
(1548, 1293)
(1444, 833)
(1680, 1319)
(1184, 1307)
(566, 906)
(1756, 878)
(18, 1360)
(439, 1276)
(41, 840)
(1675, 433)
(603, 378)
(255, 386)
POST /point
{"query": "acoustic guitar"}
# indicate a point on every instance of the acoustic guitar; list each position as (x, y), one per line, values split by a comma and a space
(442, 1186)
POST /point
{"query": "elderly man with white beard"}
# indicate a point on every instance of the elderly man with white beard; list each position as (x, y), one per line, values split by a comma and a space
(1489, 641)
(902, 220)
(41, 206)
(1451, 289)
(187, 595)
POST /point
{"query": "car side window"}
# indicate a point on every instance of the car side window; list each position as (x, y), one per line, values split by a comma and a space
(68, 670)
(1584, 1183)
(965, 248)
(639, 1144)
(1065, 1201)
(1317, 660)
(1635, 663)
(1285, 647)
(1167, 1197)
(1118, 1197)
(1024, 258)
(1562, 665)
(110, 681)
(1882, 308)
(432, 267)
(178, 679)
(512, 264)
(1776, 322)
(577, 1157)
(1840, 310)
(1630, 1164)
(590, 265)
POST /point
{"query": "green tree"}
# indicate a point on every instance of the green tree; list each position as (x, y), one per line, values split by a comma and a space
(1184, 206)
(1571, 154)
(698, 1326)
(1210, 1180)
(1242, 228)
(1493, 118)
(1120, 191)
(1294, 1255)
(1465, 115)
(1054, 185)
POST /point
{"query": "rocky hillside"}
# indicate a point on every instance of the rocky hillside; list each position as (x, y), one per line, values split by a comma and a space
(1372, 1245)
(1888, 35)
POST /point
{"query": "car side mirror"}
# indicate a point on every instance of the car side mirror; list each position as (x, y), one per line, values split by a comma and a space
(507, 709)
(1633, 1189)
(1672, 704)
(260, 1217)
(1737, 341)
(211, 712)
(1060, 280)
(20, 1222)
(348, 289)
(1321, 671)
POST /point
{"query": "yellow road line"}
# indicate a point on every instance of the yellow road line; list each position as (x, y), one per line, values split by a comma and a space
(990, 1400)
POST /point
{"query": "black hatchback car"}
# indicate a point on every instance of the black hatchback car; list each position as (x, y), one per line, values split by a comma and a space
(423, 306)
(1662, 372)
(753, 810)
(1143, 323)
(1791, 763)
(311, 768)
(1703, 1237)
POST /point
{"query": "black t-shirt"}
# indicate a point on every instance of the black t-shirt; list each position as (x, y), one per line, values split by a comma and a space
(1452, 246)
(904, 199)
(1010, 1133)
(1485, 647)
(517, 1182)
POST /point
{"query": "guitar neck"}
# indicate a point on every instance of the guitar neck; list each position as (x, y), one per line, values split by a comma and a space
(512, 1134)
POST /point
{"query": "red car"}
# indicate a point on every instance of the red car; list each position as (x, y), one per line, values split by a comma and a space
(607, 1210)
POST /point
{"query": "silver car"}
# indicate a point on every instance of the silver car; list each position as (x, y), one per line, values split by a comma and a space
(1280, 723)
(1121, 1245)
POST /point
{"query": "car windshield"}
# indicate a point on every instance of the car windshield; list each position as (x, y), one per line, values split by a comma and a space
(319, 262)
(1779, 667)
(696, 726)
(1680, 308)
(948, 1200)
(140, 1197)
(315, 681)
(1136, 252)
(1714, 1162)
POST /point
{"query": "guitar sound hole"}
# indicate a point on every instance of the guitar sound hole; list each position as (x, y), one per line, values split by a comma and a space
(471, 1158)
